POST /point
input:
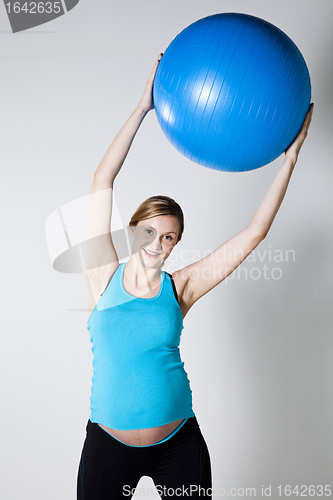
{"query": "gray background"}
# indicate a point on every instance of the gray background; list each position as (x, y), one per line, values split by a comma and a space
(258, 352)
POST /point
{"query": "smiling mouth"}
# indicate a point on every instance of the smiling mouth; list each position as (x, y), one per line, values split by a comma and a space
(151, 254)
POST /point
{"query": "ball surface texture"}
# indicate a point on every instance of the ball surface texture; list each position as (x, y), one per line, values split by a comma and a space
(231, 92)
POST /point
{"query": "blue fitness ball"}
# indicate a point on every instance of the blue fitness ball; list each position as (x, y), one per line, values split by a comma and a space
(231, 92)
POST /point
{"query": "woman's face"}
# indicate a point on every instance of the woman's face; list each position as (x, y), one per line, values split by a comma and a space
(155, 239)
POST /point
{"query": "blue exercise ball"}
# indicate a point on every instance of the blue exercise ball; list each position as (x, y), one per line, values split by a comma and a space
(231, 92)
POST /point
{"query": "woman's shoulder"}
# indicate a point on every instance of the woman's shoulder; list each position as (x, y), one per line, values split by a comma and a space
(98, 282)
(178, 281)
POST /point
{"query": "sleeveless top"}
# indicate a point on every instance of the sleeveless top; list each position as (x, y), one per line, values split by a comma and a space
(138, 380)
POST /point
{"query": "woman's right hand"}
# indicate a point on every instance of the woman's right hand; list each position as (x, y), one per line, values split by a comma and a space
(147, 99)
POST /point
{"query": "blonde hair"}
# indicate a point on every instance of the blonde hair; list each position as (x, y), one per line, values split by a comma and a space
(158, 205)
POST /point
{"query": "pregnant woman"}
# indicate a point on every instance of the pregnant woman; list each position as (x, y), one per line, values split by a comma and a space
(142, 421)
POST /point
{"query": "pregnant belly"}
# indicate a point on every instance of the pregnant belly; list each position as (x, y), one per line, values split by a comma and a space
(143, 437)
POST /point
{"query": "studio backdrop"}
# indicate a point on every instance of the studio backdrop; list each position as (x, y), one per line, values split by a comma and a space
(257, 348)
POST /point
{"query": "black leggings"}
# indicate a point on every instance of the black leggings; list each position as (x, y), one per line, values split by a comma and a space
(110, 470)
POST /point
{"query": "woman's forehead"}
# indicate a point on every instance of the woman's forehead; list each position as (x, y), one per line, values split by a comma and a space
(159, 221)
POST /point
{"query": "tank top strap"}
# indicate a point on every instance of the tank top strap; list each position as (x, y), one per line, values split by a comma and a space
(173, 285)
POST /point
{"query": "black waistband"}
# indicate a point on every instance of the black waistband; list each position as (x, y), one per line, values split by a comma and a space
(189, 429)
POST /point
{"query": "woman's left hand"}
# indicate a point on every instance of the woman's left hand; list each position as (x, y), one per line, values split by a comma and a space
(293, 150)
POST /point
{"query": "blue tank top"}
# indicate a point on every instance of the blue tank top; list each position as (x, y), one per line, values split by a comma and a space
(138, 380)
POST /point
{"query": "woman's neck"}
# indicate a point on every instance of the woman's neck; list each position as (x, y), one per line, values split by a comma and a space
(141, 277)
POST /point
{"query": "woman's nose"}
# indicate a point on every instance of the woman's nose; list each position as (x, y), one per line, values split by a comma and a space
(156, 244)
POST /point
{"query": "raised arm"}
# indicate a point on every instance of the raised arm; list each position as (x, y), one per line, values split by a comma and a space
(115, 156)
(200, 277)
(101, 259)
